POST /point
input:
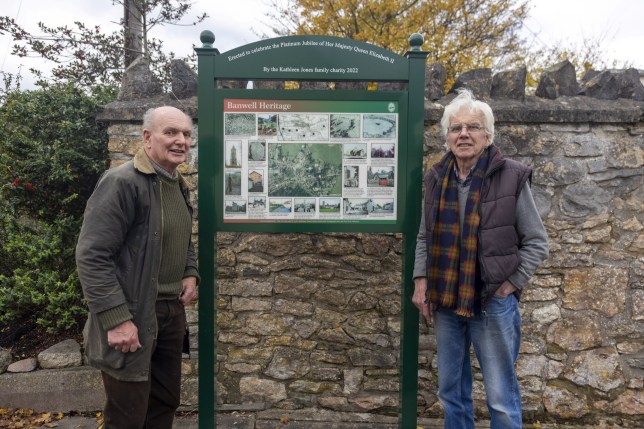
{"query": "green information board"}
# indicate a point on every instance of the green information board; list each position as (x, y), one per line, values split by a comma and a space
(308, 161)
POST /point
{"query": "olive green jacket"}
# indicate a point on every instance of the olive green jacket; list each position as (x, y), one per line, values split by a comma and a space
(118, 256)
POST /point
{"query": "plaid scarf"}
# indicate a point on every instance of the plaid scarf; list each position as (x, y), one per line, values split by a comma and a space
(452, 265)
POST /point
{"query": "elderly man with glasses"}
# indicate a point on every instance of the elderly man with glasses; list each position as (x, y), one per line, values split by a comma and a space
(480, 241)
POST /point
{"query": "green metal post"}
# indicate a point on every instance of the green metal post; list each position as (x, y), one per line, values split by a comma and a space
(409, 322)
(207, 236)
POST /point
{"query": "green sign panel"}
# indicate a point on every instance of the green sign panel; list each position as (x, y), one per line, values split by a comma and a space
(311, 57)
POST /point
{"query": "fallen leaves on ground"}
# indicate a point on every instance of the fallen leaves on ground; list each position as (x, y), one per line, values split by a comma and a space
(26, 419)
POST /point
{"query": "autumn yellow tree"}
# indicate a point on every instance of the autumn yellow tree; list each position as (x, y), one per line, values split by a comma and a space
(460, 34)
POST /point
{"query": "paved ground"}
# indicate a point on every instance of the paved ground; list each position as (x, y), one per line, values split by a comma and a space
(240, 421)
(77, 422)
(80, 389)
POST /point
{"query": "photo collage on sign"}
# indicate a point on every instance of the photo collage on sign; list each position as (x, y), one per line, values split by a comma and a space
(299, 166)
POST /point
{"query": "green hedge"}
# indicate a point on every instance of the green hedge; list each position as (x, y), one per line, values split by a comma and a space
(52, 152)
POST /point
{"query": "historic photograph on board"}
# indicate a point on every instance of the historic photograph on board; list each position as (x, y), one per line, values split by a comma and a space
(383, 206)
(356, 206)
(257, 203)
(351, 176)
(235, 207)
(267, 124)
(379, 126)
(256, 151)
(330, 205)
(233, 154)
(280, 205)
(256, 181)
(383, 150)
(304, 205)
(232, 183)
(355, 150)
(345, 126)
(380, 177)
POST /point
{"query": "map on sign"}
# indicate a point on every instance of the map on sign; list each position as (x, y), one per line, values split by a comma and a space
(302, 127)
(309, 170)
(310, 161)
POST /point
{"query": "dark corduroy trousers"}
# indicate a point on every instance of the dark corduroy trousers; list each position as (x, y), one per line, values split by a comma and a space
(151, 404)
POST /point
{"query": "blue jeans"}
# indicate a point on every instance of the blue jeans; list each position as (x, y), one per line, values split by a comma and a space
(496, 336)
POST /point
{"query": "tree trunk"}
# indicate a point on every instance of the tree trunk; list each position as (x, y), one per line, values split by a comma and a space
(133, 26)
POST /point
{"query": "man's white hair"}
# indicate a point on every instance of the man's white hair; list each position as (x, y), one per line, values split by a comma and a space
(465, 101)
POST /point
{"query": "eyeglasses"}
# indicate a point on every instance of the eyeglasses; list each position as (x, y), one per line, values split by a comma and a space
(471, 128)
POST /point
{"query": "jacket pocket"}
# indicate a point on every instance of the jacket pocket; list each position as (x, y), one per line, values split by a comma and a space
(113, 358)
(98, 353)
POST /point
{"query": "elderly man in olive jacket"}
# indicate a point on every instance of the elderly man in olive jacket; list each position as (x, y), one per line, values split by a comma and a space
(138, 269)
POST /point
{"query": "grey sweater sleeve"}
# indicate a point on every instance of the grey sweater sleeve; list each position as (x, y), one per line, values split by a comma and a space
(533, 239)
(420, 261)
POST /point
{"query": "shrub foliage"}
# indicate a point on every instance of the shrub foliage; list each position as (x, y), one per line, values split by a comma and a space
(52, 152)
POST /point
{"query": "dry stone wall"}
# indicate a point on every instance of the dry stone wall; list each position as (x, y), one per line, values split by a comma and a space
(312, 321)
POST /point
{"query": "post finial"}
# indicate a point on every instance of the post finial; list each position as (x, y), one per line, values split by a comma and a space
(416, 41)
(207, 38)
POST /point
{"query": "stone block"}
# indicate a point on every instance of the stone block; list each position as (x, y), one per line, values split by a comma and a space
(71, 389)
(604, 86)
(627, 83)
(5, 359)
(479, 81)
(23, 365)
(255, 388)
(288, 363)
(564, 403)
(557, 81)
(574, 334)
(139, 82)
(602, 289)
(184, 80)
(62, 355)
(598, 368)
(509, 84)
(434, 81)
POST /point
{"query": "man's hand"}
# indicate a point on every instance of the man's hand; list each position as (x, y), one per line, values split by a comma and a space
(420, 300)
(189, 292)
(124, 337)
(505, 289)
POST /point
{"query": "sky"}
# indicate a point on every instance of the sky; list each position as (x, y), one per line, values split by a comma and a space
(235, 23)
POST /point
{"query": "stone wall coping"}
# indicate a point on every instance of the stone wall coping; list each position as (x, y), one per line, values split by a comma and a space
(133, 110)
(533, 109)
(578, 109)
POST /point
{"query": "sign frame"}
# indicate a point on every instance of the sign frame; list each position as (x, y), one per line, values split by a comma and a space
(308, 58)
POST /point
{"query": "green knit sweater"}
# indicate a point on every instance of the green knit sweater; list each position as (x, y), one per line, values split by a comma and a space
(176, 232)
(177, 227)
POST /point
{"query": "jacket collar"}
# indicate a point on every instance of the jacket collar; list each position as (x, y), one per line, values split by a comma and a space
(143, 165)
